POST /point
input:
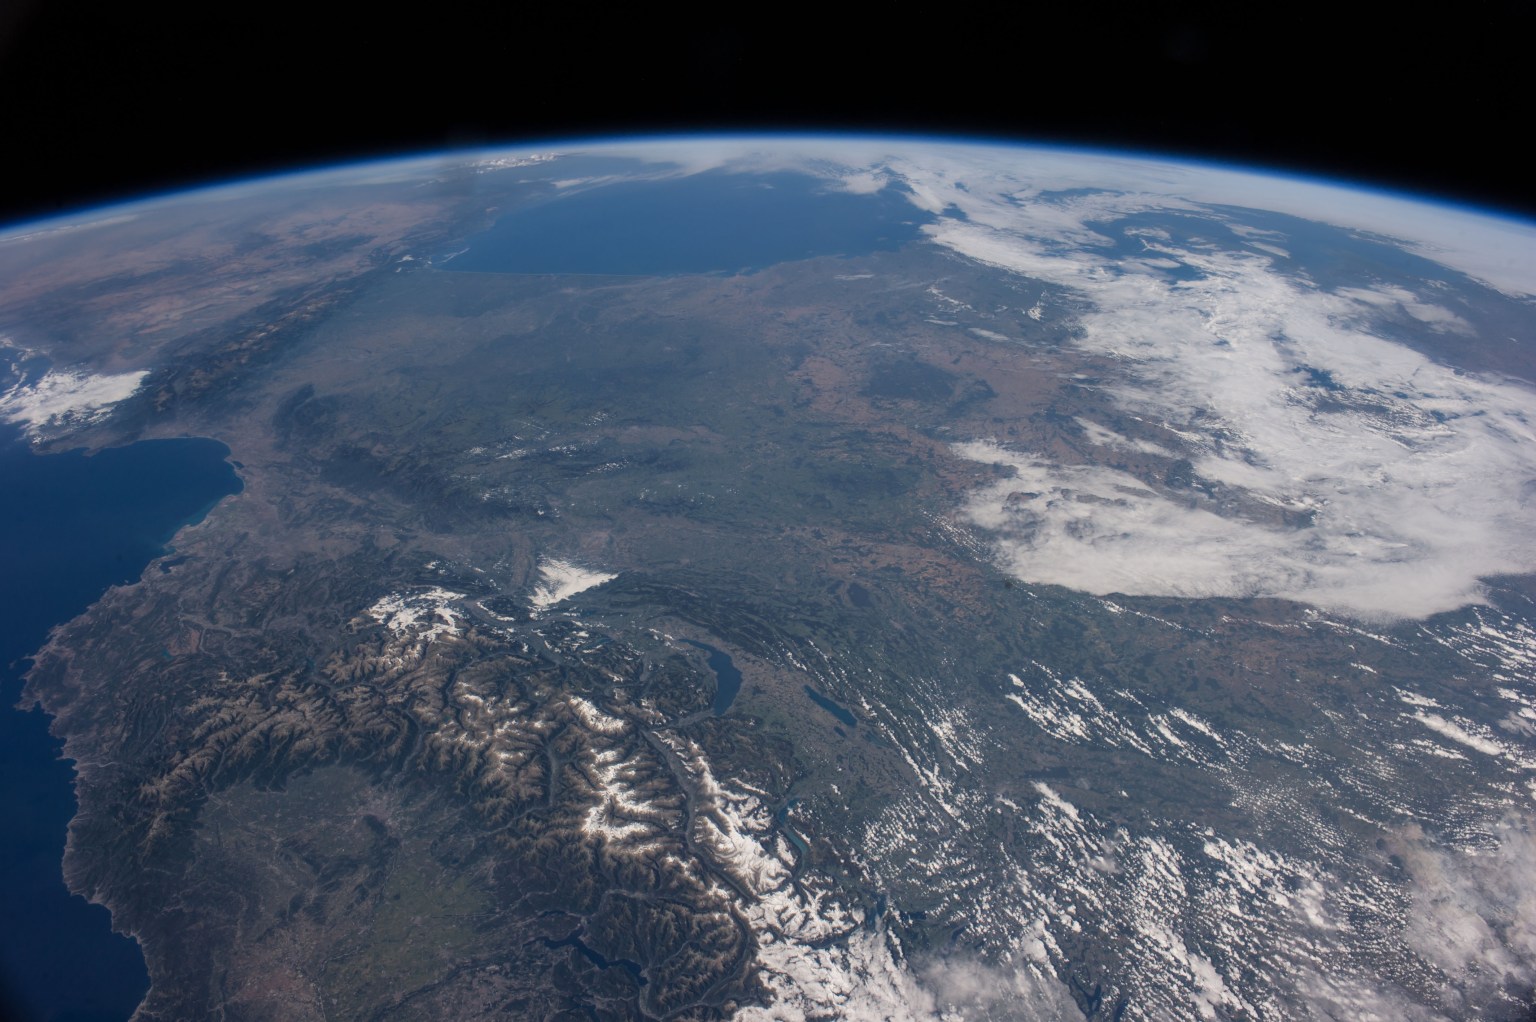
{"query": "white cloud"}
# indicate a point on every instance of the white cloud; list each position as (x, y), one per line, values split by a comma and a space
(65, 398)
(865, 980)
(1334, 997)
(1101, 437)
(560, 580)
(1388, 297)
(1417, 478)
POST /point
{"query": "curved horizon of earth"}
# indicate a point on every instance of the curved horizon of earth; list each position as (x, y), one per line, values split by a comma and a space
(775, 578)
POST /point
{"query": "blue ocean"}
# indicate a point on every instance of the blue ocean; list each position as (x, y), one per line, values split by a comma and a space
(70, 527)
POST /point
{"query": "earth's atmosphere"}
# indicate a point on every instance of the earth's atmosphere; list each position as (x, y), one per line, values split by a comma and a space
(790, 579)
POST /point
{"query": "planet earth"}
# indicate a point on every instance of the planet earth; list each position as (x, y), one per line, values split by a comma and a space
(788, 578)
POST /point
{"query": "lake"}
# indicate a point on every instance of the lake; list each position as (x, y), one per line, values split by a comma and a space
(727, 676)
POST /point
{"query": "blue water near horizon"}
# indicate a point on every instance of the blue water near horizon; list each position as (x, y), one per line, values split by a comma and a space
(713, 222)
(70, 527)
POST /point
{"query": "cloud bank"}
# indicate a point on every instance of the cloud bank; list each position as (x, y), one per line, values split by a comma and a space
(65, 399)
(1412, 479)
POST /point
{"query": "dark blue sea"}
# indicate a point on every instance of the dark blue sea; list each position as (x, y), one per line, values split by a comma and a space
(70, 527)
(712, 222)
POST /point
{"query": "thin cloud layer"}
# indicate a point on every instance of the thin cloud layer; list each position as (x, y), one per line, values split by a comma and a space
(1474, 916)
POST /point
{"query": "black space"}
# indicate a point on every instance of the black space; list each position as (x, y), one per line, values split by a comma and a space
(103, 101)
